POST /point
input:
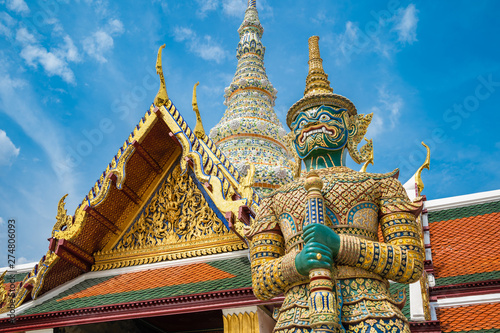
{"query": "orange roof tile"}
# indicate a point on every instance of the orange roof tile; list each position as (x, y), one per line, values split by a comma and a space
(466, 246)
(470, 318)
(154, 278)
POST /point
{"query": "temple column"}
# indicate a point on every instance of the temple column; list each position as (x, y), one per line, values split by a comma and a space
(248, 319)
(416, 302)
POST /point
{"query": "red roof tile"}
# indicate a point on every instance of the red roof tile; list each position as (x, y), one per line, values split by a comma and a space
(470, 318)
(154, 278)
(466, 246)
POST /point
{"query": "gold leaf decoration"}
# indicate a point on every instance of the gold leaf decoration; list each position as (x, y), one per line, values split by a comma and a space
(177, 213)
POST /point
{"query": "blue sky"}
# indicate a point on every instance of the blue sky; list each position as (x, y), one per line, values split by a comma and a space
(76, 76)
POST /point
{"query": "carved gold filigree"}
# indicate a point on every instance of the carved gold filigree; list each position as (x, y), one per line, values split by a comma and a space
(297, 162)
(426, 165)
(210, 166)
(177, 213)
(4, 296)
(247, 183)
(131, 257)
(370, 157)
(162, 96)
(247, 322)
(176, 223)
(424, 289)
(199, 131)
(63, 221)
(358, 125)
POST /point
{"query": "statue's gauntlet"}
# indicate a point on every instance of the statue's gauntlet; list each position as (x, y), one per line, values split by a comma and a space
(400, 257)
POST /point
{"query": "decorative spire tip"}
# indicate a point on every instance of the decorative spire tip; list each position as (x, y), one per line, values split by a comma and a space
(317, 80)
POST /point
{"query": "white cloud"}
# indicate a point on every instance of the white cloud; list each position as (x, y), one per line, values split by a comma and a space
(234, 8)
(209, 51)
(348, 42)
(406, 24)
(6, 24)
(377, 36)
(98, 44)
(24, 37)
(2, 221)
(69, 50)
(53, 62)
(323, 18)
(8, 151)
(22, 260)
(115, 27)
(18, 6)
(206, 6)
(36, 125)
(101, 41)
(183, 33)
(386, 113)
(204, 47)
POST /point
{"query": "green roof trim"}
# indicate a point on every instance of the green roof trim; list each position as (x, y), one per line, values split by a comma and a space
(394, 288)
(51, 304)
(240, 267)
(491, 330)
(17, 277)
(467, 278)
(458, 213)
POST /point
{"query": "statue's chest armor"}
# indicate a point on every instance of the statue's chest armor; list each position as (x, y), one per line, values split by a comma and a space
(350, 208)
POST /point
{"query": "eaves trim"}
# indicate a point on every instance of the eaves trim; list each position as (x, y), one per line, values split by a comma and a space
(462, 201)
(118, 271)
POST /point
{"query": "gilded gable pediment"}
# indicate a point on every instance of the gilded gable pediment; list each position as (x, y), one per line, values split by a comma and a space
(177, 221)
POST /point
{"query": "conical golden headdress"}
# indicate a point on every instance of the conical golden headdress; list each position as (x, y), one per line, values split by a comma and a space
(318, 91)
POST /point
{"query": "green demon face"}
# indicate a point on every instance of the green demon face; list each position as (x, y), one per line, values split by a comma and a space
(320, 130)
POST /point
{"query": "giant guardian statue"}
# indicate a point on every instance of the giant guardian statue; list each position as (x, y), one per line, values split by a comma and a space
(331, 240)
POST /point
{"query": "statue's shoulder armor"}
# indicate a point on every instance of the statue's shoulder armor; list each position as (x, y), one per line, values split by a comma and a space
(287, 188)
(349, 175)
(379, 176)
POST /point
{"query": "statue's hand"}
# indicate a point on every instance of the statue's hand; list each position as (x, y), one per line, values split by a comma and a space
(320, 233)
(308, 258)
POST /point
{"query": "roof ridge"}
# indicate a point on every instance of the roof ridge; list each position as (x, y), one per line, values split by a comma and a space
(464, 212)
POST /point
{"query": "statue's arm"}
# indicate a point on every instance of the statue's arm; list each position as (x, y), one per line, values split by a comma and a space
(273, 270)
(401, 256)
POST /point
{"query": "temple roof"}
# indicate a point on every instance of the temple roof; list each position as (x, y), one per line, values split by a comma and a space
(101, 235)
(479, 318)
(149, 283)
(464, 233)
(465, 244)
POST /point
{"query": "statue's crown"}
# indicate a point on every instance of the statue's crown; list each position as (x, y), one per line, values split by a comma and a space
(318, 91)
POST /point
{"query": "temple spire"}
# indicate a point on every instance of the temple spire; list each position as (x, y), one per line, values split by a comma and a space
(250, 132)
(317, 80)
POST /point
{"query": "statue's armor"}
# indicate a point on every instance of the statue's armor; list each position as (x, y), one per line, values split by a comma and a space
(360, 207)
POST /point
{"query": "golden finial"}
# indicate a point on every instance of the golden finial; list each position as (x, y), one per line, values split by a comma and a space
(317, 79)
(161, 97)
(427, 165)
(198, 129)
(369, 160)
(313, 182)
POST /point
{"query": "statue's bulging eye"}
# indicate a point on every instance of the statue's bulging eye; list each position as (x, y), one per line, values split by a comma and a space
(325, 117)
(302, 124)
